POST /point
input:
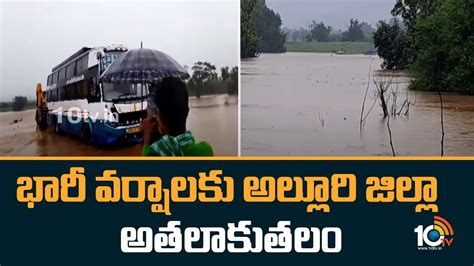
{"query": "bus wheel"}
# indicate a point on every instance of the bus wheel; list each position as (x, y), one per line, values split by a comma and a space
(86, 134)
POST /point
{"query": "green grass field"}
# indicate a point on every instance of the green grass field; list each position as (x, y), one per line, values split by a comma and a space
(328, 47)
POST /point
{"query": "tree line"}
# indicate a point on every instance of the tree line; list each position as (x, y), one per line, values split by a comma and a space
(260, 29)
(319, 32)
(19, 103)
(205, 80)
(433, 40)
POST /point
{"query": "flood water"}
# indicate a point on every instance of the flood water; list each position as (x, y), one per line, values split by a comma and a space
(213, 119)
(310, 104)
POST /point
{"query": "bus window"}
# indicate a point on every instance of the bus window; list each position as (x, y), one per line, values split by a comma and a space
(82, 63)
(62, 74)
(53, 95)
(55, 78)
(49, 80)
(62, 94)
(71, 70)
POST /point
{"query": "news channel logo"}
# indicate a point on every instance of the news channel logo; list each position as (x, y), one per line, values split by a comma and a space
(436, 236)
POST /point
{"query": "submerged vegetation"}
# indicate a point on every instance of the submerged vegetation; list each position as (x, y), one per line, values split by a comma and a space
(434, 41)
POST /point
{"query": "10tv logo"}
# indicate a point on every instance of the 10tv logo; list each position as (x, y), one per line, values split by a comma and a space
(436, 236)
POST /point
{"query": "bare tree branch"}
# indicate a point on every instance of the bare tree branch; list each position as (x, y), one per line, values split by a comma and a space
(390, 136)
(442, 122)
(365, 95)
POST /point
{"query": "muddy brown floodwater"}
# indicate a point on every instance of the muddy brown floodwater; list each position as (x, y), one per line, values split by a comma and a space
(213, 119)
(310, 104)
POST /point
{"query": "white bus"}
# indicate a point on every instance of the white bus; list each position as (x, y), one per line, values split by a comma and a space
(99, 113)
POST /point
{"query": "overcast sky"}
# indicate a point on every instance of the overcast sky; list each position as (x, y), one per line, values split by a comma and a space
(336, 13)
(38, 35)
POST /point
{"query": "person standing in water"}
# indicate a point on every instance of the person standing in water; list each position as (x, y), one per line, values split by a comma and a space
(164, 129)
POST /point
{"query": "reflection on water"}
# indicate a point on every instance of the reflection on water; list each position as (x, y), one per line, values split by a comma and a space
(310, 104)
(213, 119)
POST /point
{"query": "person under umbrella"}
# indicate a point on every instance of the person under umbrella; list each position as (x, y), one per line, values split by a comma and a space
(164, 129)
(168, 114)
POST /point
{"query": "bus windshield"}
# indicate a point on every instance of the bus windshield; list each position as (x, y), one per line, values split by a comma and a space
(125, 92)
(108, 59)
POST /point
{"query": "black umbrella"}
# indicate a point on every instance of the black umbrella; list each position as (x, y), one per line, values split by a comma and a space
(142, 66)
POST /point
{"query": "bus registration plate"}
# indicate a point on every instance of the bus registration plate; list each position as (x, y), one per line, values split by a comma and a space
(133, 130)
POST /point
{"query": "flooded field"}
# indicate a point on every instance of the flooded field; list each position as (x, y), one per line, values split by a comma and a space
(310, 104)
(213, 119)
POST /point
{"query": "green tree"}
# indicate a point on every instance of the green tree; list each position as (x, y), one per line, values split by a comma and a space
(297, 35)
(233, 82)
(445, 57)
(319, 32)
(354, 33)
(368, 31)
(225, 73)
(272, 38)
(392, 45)
(249, 40)
(413, 10)
(203, 73)
(19, 103)
(260, 29)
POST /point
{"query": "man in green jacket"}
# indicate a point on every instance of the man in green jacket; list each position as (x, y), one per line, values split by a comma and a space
(164, 129)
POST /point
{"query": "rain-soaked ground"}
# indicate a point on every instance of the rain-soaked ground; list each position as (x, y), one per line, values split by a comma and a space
(213, 119)
(310, 104)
